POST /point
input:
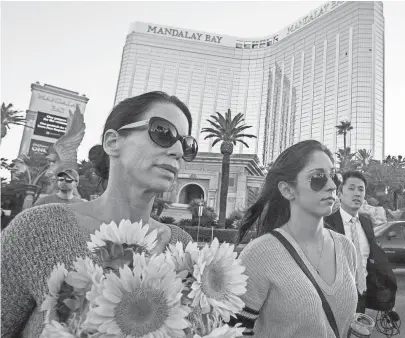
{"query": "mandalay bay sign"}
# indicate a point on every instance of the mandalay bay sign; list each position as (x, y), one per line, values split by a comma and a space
(230, 41)
(184, 34)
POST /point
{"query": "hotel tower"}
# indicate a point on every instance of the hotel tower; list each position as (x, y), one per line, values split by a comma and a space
(296, 84)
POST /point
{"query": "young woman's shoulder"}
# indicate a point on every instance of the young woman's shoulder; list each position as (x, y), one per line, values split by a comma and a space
(263, 246)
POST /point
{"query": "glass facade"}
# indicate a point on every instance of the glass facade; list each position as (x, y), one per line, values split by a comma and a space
(294, 85)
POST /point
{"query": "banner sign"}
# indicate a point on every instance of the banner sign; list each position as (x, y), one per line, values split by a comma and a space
(39, 148)
(49, 125)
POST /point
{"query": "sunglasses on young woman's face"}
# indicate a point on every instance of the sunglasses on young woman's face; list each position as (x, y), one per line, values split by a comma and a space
(165, 134)
(318, 180)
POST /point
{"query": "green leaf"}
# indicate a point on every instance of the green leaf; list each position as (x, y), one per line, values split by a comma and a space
(72, 304)
(117, 250)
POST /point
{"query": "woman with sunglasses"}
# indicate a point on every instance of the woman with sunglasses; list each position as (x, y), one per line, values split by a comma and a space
(144, 143)
(281, 301)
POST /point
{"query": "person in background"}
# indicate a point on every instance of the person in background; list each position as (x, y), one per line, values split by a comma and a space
(281, 301)
(68, 180)
(357, 228)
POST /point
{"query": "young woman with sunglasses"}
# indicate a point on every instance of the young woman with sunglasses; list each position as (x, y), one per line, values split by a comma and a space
(281, 301)
(144, 143)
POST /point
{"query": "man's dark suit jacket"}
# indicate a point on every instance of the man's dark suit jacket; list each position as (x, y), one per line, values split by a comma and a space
(335, 222)
(381, 280)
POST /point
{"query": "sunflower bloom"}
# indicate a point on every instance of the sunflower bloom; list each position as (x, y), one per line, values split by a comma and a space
(55, 282)
(224, 332)
(84, 275)
(144, 302)
(181, 259)
(125, 233)
(219, 280)
(57, 330)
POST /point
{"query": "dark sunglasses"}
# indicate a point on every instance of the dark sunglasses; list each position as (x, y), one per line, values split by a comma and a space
(165, 134)
(318, 181)
(65, 179)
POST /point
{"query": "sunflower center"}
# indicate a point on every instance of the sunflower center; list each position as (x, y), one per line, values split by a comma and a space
(213, 282)
(141, 312)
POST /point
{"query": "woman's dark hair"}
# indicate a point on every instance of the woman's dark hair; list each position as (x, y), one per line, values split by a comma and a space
(271, 209)
(128, 111)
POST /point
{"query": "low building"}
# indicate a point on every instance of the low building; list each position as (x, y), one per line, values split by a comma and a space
(201, 179)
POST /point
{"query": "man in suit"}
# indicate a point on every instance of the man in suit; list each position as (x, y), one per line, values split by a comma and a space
(347, 221)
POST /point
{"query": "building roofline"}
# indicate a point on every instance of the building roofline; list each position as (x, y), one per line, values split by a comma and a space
(263, 41)
(250, 161)
(59, 91)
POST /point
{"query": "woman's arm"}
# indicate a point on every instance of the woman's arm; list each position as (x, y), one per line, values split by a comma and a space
(35, 241)
(255, 258)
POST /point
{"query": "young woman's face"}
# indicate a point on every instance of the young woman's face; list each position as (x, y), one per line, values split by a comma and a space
(318, 203)
(148, 165)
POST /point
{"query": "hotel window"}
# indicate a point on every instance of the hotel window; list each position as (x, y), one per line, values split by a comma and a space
(231, 182)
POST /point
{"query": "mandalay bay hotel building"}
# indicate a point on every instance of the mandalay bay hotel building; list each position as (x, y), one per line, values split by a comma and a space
(294, 85)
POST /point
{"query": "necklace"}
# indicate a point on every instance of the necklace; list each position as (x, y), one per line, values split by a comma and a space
(320, 255)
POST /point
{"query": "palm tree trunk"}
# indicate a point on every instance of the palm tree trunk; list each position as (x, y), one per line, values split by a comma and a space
(224, 190)
(395, 200)
(344, 141)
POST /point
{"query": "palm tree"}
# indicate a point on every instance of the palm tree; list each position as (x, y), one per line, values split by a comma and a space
(343, 129)
(10, 116)
(387, 176)
(229, 131)
(345, 158)
(363, 157)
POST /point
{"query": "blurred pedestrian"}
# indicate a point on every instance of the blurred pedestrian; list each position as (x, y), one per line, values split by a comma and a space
(67, 181)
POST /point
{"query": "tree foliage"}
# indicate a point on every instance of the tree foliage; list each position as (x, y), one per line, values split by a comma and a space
(9, 117)
(230, 131)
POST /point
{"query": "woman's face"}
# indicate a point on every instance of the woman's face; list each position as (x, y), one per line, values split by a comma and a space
(149, 166)
(318, 203)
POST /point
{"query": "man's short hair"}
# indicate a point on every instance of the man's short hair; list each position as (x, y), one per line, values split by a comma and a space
(352, 173)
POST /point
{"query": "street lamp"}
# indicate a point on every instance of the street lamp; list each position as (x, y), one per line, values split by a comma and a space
(200, 212)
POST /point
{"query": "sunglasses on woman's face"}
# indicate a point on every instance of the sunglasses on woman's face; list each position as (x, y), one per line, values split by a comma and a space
(318, 181)
(165, 134)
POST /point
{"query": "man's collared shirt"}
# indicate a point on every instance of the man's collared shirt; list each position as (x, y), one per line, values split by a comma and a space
(364, 245)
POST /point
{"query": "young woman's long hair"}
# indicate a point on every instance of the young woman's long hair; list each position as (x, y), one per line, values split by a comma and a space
(271, 209)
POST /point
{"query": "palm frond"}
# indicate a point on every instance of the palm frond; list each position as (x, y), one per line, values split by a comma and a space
(244, 135)
(215, 125)
(215, 142)
(212, 131)
(241, 128)
(238, 118)
(211, 136)
(243, 142)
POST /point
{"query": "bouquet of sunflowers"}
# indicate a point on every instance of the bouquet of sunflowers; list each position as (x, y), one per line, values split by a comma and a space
(184, 292)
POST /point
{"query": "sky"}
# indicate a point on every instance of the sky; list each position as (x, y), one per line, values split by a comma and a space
(78, 46)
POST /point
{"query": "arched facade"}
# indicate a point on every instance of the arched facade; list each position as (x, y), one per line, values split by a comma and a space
(190, 191)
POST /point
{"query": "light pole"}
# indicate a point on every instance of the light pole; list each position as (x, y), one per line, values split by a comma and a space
(200, 212)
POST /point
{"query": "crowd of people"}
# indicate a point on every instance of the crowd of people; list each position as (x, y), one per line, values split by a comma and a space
(141, 159)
